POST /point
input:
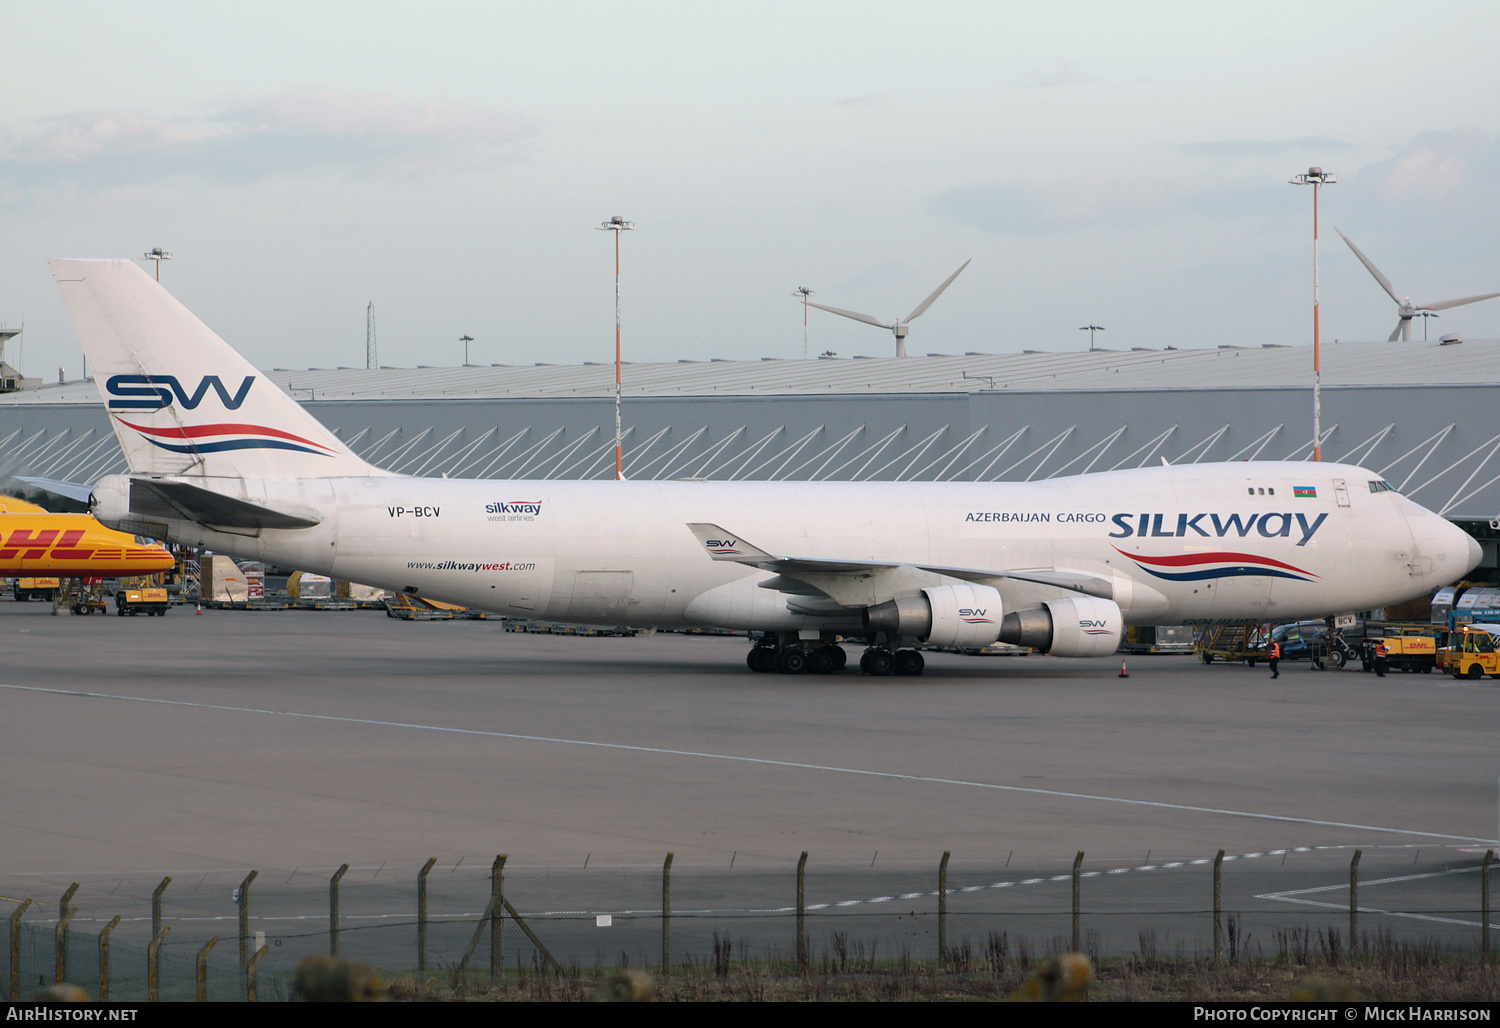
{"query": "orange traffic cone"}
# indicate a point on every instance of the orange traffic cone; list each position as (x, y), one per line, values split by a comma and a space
(1123, 672)
(200, 606)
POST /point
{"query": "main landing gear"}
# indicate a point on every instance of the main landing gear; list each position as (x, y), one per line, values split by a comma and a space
(792, 656)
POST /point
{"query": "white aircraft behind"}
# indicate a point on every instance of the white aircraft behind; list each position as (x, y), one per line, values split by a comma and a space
(221, 458)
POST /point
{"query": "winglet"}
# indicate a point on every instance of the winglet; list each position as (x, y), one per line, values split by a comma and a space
(721, 544)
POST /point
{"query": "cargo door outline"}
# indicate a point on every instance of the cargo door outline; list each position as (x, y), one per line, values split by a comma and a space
(601, 595)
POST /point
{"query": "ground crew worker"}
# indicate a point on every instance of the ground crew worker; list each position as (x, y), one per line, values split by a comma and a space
(1380, 654)
(1275, 656)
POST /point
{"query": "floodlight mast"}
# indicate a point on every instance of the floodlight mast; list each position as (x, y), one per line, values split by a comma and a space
(617, 225)
(1316, 177)
(1091, 328)
(804, 293)
(466, 340)
(158, 255)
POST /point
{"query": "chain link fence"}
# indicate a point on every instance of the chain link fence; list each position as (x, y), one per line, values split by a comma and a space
(227, 936)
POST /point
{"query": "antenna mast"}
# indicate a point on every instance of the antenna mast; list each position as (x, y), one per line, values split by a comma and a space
(371, 360)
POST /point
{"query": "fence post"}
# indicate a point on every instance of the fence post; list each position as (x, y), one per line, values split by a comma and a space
(1218, 908)
(497, 919)
(333, 910)
(203, 968)
(15, 950)
(801, 911)
(67, 898)
(156, 906)
(1354, 903)
(1484, 904)
(422, 915)
(666, 915)
(250, 967)
(153, 960)
(104, 959)
(1077, 863)
(60, 946)
(244, 894)
(943, 910)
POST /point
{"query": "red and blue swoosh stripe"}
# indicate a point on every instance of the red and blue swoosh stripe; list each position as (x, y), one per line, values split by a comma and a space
(1196, 567)
(202, 438)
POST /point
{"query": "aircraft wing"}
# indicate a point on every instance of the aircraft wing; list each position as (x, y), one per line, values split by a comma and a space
(835, 577)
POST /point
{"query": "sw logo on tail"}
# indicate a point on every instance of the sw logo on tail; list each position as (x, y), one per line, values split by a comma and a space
(131, 392)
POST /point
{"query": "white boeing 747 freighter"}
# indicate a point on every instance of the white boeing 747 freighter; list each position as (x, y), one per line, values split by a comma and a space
(220, 457)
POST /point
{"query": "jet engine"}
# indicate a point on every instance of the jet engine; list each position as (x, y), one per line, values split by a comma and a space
(1080, 626)
(961, 615)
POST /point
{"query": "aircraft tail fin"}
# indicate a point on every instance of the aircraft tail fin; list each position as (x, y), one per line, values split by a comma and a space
(180, 399)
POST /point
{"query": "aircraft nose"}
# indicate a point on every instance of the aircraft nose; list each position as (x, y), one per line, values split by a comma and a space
(1454, 552)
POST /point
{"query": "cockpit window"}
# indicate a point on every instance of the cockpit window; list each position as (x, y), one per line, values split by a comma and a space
(1382, 486)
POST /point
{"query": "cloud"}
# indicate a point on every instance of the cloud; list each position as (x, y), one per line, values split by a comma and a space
(353, 134)
(1435, 167)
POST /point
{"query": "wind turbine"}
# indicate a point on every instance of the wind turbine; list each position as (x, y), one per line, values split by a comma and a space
(899, 325)
(1405, 308)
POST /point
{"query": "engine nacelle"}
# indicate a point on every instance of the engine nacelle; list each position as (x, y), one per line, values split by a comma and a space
(963, 615)
(1081, 626)
(1085, 626)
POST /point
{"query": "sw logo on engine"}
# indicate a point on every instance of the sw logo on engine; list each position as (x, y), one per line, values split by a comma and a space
(153, 392)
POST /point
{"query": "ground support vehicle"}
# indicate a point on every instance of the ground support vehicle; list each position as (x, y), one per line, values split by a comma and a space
(1232, 642)
(1474, 651)
(420, 608)
(1313, 641)
(80, 595)
(148, 600)
(1409, 647)
(35, 588)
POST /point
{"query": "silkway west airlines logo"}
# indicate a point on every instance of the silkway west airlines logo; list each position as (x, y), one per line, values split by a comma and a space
(153, 392)
(1195, 567)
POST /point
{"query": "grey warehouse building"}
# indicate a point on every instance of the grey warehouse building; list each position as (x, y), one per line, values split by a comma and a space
(1418, 414)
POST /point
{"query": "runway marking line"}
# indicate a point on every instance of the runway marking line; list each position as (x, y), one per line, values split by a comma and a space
(763, 761)
(1286, 896)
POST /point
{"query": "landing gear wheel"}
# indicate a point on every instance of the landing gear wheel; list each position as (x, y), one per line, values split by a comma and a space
(822, 661)
(791, 662)
(755, 660)
(877, 662)
(1340, 658)
(79, 608)
(840, 657)
(909, 662)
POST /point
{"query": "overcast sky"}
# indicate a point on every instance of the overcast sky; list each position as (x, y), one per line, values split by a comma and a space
(1119, 163)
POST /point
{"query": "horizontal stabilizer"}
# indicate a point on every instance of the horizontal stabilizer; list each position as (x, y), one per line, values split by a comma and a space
(72, 490)
(163, 499)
